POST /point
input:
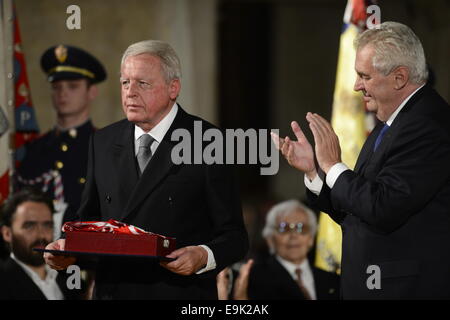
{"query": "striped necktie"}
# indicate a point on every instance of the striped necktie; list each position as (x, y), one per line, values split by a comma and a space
(144, 152)
(305, 292)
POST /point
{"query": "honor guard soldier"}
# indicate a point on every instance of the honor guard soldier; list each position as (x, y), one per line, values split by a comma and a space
(57, 161)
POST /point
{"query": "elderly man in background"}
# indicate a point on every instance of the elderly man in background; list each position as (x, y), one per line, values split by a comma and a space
(287, 273)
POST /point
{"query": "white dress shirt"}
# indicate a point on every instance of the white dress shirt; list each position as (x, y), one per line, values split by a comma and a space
(307, 275)
(315, 186)
(158, 132)
(48, 286)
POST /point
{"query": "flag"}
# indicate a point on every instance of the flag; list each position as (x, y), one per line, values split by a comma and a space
(4, 155)
(350, 121)
(17, 117)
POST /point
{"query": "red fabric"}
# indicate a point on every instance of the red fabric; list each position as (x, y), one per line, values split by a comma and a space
(359, 14)
(4, 186)
(26, 131)
(111, 225)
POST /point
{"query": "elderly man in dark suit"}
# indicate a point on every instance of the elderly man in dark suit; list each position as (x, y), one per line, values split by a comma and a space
(287, 274)
(197, 204)
(394, 208)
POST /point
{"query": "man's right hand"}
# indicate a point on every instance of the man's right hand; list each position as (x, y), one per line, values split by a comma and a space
(58, 262)
(299, 154)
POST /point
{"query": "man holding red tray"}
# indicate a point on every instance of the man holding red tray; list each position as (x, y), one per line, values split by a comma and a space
(196, 204)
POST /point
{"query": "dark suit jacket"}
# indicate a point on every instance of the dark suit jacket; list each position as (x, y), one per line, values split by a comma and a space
(197, 204)
(269, 280)
(15, 284)
(394, 208)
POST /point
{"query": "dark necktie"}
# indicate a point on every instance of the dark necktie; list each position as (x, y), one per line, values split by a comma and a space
(144, 152)
(380, 137)
(305, 292)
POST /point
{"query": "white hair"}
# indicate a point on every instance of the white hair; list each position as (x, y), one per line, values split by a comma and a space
(395, 45)
(283, 209)
(170, 63)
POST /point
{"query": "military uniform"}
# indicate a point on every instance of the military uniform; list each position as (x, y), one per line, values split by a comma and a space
(57, 161)
(59, 152)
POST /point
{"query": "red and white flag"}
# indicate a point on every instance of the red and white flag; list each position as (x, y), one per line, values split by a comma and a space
(18, 123)
(110, 226)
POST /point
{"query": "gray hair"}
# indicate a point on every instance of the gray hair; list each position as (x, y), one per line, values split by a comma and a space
(395, 45)
(283, 209)
(170, 63)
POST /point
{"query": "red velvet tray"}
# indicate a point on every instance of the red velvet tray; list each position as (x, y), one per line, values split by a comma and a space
(116, 244)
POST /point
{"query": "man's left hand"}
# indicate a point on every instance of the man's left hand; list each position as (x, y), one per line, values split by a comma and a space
(188, 260)
(328, 150)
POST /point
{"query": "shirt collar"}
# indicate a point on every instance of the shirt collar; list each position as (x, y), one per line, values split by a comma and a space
(159, 131)
(291, 267)
(400, 107)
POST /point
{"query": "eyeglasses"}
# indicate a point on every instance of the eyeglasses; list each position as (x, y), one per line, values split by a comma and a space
(299, 228)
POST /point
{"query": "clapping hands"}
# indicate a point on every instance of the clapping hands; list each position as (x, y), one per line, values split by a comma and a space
(300, 154)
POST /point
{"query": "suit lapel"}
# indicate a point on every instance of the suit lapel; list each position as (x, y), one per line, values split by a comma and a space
(156, 170)
(124, 160)
(367, 149)
(385, 142)
(284, 278)
(24, 285)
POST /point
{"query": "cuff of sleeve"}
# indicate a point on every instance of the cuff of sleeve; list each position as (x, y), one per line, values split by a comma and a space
(315, 185)
(334, 173)
(211, 264)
